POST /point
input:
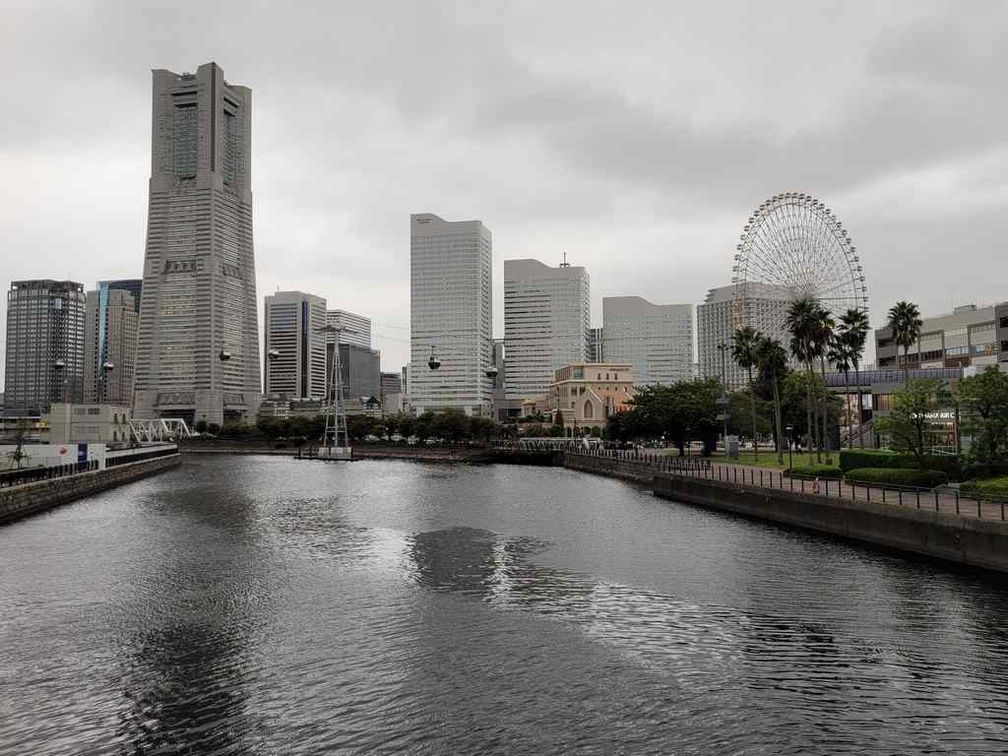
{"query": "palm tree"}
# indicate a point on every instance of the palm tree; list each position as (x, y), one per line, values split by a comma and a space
(772, 360)
(824, 327)
(905, 323)
(853, 331)
(744, 353)
(803, 323)
(839, 357)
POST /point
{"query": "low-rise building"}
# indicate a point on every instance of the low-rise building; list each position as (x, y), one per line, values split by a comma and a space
(66, 423)
(967, 336)
(586, 393)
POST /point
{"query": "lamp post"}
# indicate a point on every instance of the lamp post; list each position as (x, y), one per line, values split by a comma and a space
(723, 400)
(790, 460)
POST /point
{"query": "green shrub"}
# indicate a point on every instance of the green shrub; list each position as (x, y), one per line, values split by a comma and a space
(856, 459)
(951, 466)
(809, 472)
(995, 487)
(897, 477)
(853, 459)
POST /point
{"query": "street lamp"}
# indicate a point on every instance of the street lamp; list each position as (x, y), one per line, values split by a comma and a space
(723, 400)
(790, 430)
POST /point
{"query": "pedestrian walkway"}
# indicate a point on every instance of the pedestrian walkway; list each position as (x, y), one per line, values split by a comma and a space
(946, 500)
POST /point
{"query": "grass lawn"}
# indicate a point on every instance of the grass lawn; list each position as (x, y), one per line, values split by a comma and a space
(768, 458)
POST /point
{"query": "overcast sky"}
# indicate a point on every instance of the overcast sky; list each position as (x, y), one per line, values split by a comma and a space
(635, 137)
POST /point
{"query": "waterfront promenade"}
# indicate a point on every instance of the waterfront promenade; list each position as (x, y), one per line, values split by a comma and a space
(944, 499)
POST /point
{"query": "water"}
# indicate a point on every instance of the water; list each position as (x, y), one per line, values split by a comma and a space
(257, 605)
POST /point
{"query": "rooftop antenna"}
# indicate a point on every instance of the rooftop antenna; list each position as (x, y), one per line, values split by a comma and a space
(565, 264)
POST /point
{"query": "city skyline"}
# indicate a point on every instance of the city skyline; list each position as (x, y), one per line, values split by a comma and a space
(932, 189)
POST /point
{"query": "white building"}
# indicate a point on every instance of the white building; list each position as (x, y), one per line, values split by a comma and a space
(450, 314)
(354, 329)
(656, 339)
(295, 345)
(720, 316)
(547, 318)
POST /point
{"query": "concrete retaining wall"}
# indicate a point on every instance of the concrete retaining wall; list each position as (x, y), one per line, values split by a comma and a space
(978, 543)
(636, 471)
(30, 498)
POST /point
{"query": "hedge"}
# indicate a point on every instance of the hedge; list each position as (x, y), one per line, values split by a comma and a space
(856, 459)
(853, 459)
(897, 477)
(997, 487)
(809, 472)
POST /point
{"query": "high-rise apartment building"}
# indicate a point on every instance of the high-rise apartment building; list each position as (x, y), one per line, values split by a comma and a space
(353, 328)
(450, 314)
(595, 341)
(967, 336)
(198, 343)
(295, 345)
(45, 345)
(110, 336)
(720, 316)
(547, 319)
(656, 339)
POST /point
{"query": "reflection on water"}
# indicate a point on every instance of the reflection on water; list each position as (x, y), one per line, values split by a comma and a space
(269, 606)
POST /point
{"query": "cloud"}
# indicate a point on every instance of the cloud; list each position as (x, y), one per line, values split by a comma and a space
(635, 137)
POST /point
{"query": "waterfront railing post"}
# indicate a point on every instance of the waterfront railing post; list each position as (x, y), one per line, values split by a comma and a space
(957, 501)
(936, 501)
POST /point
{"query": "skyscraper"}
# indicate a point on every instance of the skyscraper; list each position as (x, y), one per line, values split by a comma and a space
(295, 345)
(718, 318)
(45, 345)
(450, 314)
(198, 350)
(353, 328)
(110, 333)
(656, 339)
(547, 319)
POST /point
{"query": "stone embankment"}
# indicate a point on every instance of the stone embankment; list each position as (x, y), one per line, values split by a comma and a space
(966, 540)
(20, 501)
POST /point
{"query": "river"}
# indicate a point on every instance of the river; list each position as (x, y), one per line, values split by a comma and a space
(264, 605)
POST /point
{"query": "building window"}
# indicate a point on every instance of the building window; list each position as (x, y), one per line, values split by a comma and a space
(185, 140)
(589, 411)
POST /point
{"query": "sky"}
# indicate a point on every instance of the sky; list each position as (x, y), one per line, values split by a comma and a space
(636, 137)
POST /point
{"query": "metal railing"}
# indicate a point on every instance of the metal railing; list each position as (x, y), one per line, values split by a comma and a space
(12, 478)
(942, 499)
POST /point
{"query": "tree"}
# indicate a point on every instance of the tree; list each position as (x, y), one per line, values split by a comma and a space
(840, 358)
(744, 346)
(907, 423)
(407, 426)
(853, 331)
(201, 426)
(823, 338)
(905, 323)
(984, 402)
(803, 323)
(772, 361)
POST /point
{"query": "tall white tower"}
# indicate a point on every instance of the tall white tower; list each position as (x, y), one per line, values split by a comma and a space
(198, 342)
(547, 319)
(450, 315)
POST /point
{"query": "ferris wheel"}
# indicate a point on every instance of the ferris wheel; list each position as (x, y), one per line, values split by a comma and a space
(792, 247)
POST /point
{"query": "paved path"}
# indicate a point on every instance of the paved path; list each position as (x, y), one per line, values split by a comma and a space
(773, 478)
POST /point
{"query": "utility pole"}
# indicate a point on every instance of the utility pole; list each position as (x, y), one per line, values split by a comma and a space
(723, 399)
